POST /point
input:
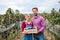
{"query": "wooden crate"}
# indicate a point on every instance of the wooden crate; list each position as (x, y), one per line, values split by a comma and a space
(33, 30)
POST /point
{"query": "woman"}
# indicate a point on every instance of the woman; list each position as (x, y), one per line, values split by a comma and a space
(26, 24)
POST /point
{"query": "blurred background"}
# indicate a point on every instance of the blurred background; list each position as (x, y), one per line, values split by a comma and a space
(12, 14)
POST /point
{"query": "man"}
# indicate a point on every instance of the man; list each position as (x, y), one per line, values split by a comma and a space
(39, 23)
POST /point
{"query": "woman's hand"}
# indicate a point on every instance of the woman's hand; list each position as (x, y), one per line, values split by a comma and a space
(24, 32)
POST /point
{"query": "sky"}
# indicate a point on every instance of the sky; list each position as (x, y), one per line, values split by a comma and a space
(25, 6)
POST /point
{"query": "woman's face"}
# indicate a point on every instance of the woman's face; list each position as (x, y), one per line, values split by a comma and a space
(27, 17)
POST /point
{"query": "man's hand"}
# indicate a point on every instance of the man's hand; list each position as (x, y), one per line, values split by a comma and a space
(37, 32)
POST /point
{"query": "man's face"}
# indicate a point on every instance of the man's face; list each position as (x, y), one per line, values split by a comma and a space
(35, 12)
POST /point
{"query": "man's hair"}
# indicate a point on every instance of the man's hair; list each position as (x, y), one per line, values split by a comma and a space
(35, 8)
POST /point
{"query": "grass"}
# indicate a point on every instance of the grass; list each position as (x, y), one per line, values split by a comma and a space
(45, 38)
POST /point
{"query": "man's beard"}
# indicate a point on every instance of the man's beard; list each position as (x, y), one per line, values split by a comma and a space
(36, 14)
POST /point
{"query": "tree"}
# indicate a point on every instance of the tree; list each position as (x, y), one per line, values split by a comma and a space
(17, 11)
(22, 17)
(8, 16)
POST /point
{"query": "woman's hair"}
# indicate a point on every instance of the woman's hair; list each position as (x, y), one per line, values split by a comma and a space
(26, 15)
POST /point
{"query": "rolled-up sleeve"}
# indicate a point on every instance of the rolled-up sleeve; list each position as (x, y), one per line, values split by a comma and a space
(42, 23)
(23, 26)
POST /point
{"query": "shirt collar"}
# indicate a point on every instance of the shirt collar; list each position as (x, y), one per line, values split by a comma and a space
(35, 17)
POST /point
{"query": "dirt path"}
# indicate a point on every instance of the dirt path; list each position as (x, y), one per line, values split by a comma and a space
(49, 36)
